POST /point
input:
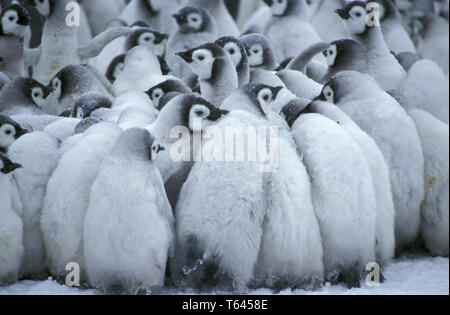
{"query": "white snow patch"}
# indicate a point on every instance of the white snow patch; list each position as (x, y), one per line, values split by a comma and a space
(408, 275)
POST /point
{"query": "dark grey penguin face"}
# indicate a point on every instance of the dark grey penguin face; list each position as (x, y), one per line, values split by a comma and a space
(42, 6)
(32, 90)
(115, 68)
(148, 37)
(169, 86)
(184, 111)
(6, 165)
(14, 20)
(354, 16)
(69, 79)
(235, 49)
(331, 92)
(193, 19)
(10, 131)
(138, 143)
(85, 105)
(262, 96)
(291, 112)
(344, 53)
(203, 59)
(260, 51)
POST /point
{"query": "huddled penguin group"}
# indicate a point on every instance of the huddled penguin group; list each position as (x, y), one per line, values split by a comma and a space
(114, 151)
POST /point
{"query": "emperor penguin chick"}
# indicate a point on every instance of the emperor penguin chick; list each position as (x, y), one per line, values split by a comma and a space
(128, 238)
(215, 70)
(23, 96)
(381, 116)
(347, 224)
(382, 65)
(38, 153)
(289, 29)
(238, 55)
(10, 131)
(11, 226)
(196, 27)
(67, 198)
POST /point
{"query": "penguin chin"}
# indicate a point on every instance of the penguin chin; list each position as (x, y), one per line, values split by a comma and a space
(17, 30)
(355, 27)
(204, 72)
(255, 60)
(279, 9)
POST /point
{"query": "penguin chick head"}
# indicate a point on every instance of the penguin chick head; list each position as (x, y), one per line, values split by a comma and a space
(262, 96)
(286, 7)
(235, 50)
(42, 6)
(6, 165)
(184, 111)
(115, 68)
(14, 20)
(345, 52)
(202, 59)
(169, 86)
(10, 131)
(347, 86)
(148, 37)
(137, 143)
(292, 111)
(33, 91)
(354, 16)
(86, 104)
(192, 19)
(260, 51)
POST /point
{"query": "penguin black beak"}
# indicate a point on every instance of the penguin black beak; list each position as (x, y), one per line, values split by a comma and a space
(277, 91)
(160, 38)
(269, 2)
(10, 167)
(160, 148)
(181, 19)
(217, 113)
(321, 97)
(186, 55)
(3, 60)
(343, 14)
(21, 132)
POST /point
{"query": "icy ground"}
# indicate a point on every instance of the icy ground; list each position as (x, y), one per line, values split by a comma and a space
(411, 274)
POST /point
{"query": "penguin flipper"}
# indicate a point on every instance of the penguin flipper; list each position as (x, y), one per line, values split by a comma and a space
(96, 45)
(300, 62)
(31, 56)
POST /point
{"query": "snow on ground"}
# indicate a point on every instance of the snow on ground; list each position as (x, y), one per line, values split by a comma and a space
(410, 275)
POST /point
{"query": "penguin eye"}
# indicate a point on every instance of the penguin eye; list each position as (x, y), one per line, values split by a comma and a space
(201, 57)
(8, 132)
(231, 51)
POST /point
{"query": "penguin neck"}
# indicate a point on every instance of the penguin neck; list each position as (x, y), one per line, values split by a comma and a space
(298, 9)
(391, 12)
(58, 12)
(373, 41)
(243, 72)
(147, 6)
(223, 82)
(208, 4)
